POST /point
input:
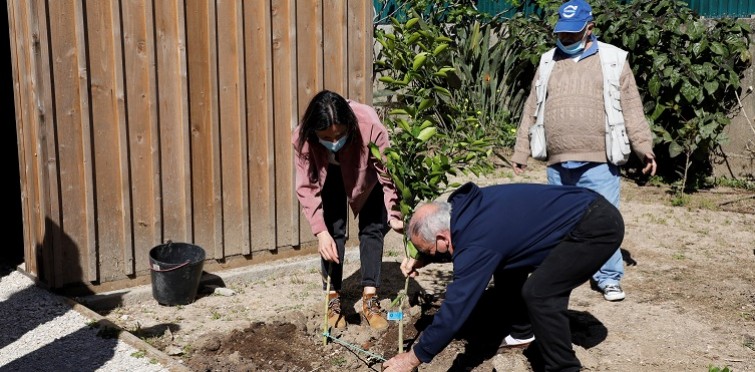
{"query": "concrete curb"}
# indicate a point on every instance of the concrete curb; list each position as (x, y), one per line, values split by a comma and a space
(143, 293)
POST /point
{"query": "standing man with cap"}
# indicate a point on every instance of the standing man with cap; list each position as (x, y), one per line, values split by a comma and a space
(574, 120)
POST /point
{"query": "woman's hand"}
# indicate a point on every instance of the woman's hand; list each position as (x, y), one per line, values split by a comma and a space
(327, 247)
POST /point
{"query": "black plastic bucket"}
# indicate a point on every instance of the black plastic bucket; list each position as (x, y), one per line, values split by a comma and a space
(176, 271)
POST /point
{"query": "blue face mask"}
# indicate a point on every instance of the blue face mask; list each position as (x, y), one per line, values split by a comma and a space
(334, 146)
(571, 49)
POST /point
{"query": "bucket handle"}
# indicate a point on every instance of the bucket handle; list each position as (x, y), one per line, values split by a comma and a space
(171, 269)
(155, 267)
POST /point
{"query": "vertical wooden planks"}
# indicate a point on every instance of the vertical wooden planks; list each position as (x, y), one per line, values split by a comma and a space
(260, 124)
(20, 102)
(119, 153)
(205, 137)
(309, 26)
(25, 44)
(75, 254)
(360, 51)
(335, 39)
(233, 132)
(285, 112)
(47, 182)
(143, 134)
(110, 160)
(174, 124)
(49, 216)
(309, 23)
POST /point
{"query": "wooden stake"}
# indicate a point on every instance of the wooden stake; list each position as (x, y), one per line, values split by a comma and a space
(401, 321)
(327, 302)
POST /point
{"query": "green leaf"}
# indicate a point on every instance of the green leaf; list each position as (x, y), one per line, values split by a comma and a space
(699, 47)
(419, 60)
(659, 61)
(386, 79)
(689, 91)
(425, 124)
(718, 48)
(711, 86)
(375, 151)
(658, 111)
(427, 102)
(654, 86)
(440, 48)
(427, 133)
(411, 250)
(410, 23)
(404, 125)
(442, 90)
(674, 149)
(405, 209)
(406, 193)
(413, 38)
(695, 29)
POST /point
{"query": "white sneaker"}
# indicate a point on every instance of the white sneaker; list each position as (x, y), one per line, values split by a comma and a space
(613, 292)
(516, 342)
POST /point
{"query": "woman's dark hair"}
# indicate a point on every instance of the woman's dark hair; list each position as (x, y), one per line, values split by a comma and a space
(325, 109)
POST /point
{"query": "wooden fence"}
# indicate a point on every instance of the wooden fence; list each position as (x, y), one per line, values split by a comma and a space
(143, 121)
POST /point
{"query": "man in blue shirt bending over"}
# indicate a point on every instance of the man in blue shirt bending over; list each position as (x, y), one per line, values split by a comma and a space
(563, 233)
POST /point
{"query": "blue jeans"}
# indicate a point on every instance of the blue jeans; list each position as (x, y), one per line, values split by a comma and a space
(602, 178)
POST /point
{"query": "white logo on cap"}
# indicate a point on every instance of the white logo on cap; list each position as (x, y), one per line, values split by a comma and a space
(569, 11)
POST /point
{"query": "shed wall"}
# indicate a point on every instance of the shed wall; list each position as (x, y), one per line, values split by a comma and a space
(144, 121)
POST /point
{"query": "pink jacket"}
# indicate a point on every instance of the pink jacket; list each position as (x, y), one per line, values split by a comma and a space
(359, 169)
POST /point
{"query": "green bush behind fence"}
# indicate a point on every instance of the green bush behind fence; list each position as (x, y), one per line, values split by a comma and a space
(705, 8)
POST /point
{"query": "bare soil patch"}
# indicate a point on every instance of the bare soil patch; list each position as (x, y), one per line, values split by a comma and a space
(690, 304)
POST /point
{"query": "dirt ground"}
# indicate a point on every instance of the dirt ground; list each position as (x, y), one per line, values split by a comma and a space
(690, 284)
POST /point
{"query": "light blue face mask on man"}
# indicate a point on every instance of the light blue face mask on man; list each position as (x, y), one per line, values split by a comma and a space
(572, 49)
(334, 146)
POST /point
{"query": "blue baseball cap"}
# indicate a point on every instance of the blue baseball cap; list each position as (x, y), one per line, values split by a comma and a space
(573, 16)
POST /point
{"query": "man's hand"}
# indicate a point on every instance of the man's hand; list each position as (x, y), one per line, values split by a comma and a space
(404, 362)
(650, 165)
(327, 247)
(519, 168)
(409, 266)
(397, 225)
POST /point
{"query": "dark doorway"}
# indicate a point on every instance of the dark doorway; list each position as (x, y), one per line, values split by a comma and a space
(12, 250)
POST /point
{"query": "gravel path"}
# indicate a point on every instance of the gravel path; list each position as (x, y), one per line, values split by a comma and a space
(44, 332)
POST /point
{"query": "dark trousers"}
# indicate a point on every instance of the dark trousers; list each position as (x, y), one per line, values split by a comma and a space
(373, 225)
(508, 284)
(570, 264)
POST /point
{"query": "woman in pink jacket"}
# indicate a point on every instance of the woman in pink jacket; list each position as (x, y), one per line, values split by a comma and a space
(333, 166)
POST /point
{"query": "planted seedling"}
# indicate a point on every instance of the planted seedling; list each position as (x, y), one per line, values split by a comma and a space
(402, 298)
